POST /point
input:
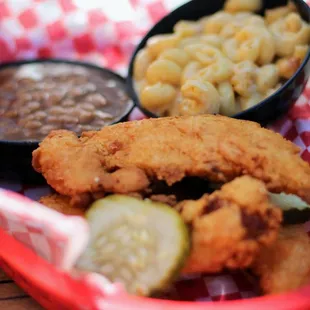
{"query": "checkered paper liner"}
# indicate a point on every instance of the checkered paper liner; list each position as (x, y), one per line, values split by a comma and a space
(102, 33)
(50, 234)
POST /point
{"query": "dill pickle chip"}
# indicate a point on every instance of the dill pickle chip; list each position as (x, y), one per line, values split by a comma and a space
(295, 210)
(288, 202)
(139, 243)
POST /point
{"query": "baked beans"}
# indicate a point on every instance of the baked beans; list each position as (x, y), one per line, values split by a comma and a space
(38, 98)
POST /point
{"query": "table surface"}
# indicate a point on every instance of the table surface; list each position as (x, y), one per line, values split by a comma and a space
(14, 298)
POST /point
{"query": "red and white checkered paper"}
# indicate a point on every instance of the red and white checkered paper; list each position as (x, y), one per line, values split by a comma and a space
(103, 32)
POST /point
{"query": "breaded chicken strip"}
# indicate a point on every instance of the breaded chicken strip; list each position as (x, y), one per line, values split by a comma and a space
(126, 157)
(285, 265)
(230, 226)
(61, 204)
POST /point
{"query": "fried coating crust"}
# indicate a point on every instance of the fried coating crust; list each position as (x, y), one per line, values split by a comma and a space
(230, 226)
(61, 204)
(285, 265)
(125, 157)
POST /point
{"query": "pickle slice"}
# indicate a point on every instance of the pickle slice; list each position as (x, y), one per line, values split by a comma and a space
(288, 202)
(295, 210)
(139, 243)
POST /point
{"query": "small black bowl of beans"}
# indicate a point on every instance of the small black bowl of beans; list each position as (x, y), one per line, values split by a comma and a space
(39, 96)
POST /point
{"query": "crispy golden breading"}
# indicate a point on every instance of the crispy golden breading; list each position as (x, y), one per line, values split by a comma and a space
(124, 158)
(61, 204)
(230, 226)
(285, 265)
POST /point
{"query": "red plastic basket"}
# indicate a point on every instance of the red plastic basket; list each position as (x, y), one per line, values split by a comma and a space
(26, 32)
(54, 289)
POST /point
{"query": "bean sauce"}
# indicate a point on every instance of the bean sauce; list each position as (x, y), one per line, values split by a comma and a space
(38, 98)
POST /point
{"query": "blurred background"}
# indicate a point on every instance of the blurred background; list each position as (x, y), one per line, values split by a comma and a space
(104, 32)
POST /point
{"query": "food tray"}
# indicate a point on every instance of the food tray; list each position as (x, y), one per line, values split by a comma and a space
(38, 245)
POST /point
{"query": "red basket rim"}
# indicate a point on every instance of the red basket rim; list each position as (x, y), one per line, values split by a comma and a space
(22, 260)
(294, 300)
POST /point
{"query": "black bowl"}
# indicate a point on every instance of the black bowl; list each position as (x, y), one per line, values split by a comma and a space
(16, 156)
(267, 110)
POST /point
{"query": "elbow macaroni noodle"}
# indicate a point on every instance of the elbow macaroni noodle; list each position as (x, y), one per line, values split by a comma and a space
(289, 32)
(223, 63)
(228, 105)
(217, 72)
(179, 56)
(190, 71)
(243, 5)
(164, 70)
(202, 95)
(267, 78)
(244, 79)
(158, 96)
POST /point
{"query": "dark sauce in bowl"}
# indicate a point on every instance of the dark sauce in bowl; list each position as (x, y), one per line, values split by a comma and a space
(38, 97)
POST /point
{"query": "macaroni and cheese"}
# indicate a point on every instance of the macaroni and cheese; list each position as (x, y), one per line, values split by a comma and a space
(224, 63)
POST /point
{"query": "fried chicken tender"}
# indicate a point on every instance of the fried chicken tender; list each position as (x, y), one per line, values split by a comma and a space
(127, 157)
(285, 265)
(61, 204)
(230, 226)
